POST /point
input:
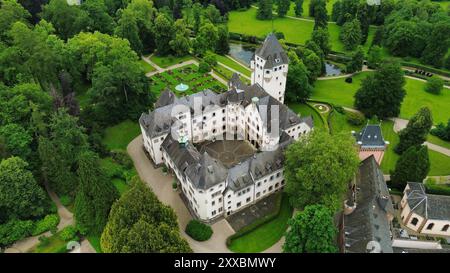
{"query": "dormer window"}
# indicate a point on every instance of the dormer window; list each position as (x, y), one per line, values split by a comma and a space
(277, 60)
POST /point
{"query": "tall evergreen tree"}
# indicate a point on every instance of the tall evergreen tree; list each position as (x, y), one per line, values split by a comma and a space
(322, 38)
(264, 9)
(95, 195)
(357, 60)
(223, 43)
(320, 14)
(298, 8)
(412, 166)
(350, 34)
(283, 7)
(416, 131)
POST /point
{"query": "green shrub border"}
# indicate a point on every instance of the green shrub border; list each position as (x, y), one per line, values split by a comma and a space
(259, 222)
(324, 120)
(426, 68)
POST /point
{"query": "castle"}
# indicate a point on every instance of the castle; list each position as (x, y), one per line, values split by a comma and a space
(226, 150)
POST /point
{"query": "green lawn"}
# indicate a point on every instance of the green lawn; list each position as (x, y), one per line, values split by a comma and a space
(119, 136)
(338, 92)
(120, 185)
(390, 157)
(265, 235)
(166, 61)
(295, 31)
(146, 66)
(340, 124)
(95, 242)
(234, 65)
(438, 141)
(188, 75)
(54, 245)
(305, 6)
(440, 163)
(305, 110)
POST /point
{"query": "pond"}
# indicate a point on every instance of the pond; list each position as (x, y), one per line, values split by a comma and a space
(242, 52)
(332, 70)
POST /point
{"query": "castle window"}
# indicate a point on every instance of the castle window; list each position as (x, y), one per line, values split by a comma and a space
(267, 72)
(414, 221)
(430, 226)
(445, 228)
(238, 204)
(248, 199)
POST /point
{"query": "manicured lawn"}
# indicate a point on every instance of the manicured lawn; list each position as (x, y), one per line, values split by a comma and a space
(305, 110)
(305, 6)
(120, 185)
(438, 141)
(440, 163)
(226, 74)
(390, 157)
(188, 75)
(265, 235)
(295, 31)
(338, 92)
(146, 66)
(339, 124)
(120, 135)
(166, 61)
(234, 65)
(54, 245)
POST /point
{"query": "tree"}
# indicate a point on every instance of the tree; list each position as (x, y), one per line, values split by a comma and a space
(375, 57)
(95, 195)
(98, 18)
(318, 168)
(321, 37)
(442, 131)
(283, 7)
(351, 35)
(163, 34)
(17, 140)
(297, 86)
(320, 14)
(139, 222)
(10, 13)
(412, 166)
(311, 231)
(20, 195)
(197, 13)
(382, 93)
(181, 44)
(144, 13)
(127, 28)
(416, 131)
(264, 10)
(209, 34)
(177, 9)
(223, 42)
(34, 7)
(434, 85)
(298, 8)
(357, 60)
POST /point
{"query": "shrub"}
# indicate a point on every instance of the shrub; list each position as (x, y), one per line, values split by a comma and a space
(66, 200)
(44, 240)
(15, 230)
(198, 231)
(164, 169)
(49, 223)
(174, 185)
(434, 85)
(349, 80)
(69, 233)
(210, 59)
(339, 109)
(442, 131)
(122, 158)
(355, 118)
(204, 67)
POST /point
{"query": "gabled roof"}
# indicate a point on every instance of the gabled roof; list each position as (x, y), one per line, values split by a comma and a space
(272, 51)
(167, 97)
(429, 206)
(207, 172)
(370, 219)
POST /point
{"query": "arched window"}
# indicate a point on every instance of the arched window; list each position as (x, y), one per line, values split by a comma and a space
(430, 226)
(445, 228)
(414, 221)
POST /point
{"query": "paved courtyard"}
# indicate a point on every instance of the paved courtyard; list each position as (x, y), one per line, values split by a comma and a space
(229, 152)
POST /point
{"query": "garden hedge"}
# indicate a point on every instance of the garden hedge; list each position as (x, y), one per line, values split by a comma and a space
(198, 230)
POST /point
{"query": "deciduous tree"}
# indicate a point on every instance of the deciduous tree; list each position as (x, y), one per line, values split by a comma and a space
(416, 131)
(412, 166)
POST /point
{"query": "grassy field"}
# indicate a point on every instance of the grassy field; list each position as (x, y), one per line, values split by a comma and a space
(438, 141)
(119, 136)
(305, 110)
(265, 235)
(146, 66)
(166, 61)
(295, 31)
(234, 65)
(95, 242)
(440, 163)
(338, 92)
(188, 75)
(305, 6)
(390, 157)
(340, 124)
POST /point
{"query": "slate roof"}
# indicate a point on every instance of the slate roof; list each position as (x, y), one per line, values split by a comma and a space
(370, 136)
(167, 97)
(369, 221)
(272, 51)
(430, 206)
(207, 172)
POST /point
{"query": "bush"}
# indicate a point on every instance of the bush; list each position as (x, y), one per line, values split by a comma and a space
(122, 158)
(355, 118)
(15, 230)
(198, 231)
(434, 85)
(49, 223)
(174, 185)
(210, 59)
(69, 233)
(442, 131)
(66, 200)
(349, 80)
(339, 109)
(44, 240)
(204, 67)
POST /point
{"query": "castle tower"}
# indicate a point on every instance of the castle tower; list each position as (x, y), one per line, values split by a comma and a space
(270, 67)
